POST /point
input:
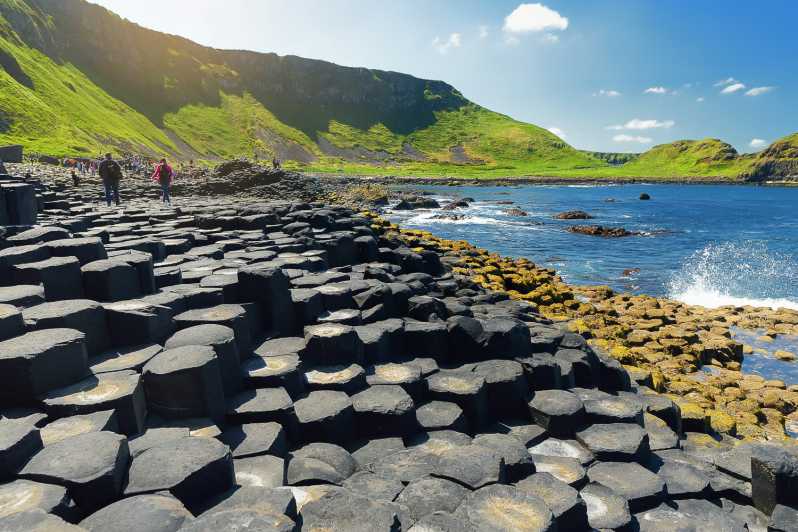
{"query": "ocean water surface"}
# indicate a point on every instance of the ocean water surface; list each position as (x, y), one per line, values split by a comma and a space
(709, 245)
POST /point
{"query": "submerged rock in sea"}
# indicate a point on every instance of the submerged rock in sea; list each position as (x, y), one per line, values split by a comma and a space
(645, 196)
(600, 230)
(455, 204)
(573, 215)
(408, 203)
(516, 212)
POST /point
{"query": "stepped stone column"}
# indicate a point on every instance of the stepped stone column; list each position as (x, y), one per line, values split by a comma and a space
(185, 382)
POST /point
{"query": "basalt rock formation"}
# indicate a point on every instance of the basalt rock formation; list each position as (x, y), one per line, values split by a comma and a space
(295, 365)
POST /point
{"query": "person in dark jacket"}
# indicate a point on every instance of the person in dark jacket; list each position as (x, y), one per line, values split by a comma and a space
(75, 178)
(111, 173)
(163, 174)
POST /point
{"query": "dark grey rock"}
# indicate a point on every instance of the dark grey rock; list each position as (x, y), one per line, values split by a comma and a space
(621, 442)
(567, 470)
(156, 513)
(332, 343)
(232, 316)
(222, 340)
(569, 510)
(35, 521)
(120, 391)
(563, 449)
(518, 462)
(441, 415)
(365, 452)
(92, 479)
(783, 519)
(40, 361)
(22, 295)
(349, 378)
(127, 358)
(25, 495)
(427, 495)
(137, 322)
(442, 522)
(774, 477)
(506, 387)
(19, 440)
(325, 416)
(185, 382)
(340, 509)
(253, 439)
(384, 410)
(83, 315)
(500, 508)
(243, 519)
(683, 480)
(261, 471)
(605, 508)
(559, 412)
(110, 280)
(373, 486)
(642, 488)
(281, 371)
(192, 469)
(473, 466)
(465, 389)
(261, 406)
(59, 276)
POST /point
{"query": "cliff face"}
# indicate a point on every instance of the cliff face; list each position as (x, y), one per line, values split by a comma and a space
(779, 160)
(156, 74)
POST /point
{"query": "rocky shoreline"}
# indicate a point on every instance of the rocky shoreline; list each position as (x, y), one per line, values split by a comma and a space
(536, 180)
(297, 365)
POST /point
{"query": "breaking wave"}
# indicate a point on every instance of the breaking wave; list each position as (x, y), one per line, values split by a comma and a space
(738, 274)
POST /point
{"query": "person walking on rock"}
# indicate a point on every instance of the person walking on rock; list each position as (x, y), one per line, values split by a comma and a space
(163, 174)
(111, 173)
(2, 167)
(75, 179)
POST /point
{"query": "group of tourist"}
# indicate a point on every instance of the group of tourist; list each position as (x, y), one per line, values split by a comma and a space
(111, 174)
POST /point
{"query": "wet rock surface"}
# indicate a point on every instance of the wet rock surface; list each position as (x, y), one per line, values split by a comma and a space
(292, 365)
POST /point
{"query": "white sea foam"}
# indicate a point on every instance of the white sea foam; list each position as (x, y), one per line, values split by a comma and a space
(738, 274)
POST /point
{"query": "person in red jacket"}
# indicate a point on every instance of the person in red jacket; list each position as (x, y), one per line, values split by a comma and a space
(163, 174)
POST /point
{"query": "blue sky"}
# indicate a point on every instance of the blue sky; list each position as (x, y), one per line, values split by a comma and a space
(612, 75)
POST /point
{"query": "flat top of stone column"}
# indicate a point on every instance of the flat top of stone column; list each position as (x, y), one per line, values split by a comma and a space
(53, 309)
(184, 357)
(36, 342)
(78, 459)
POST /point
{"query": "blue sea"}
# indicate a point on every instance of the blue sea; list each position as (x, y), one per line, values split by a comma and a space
(708, 245)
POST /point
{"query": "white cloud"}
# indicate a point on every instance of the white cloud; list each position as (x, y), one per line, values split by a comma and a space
(699, 99)
(756, 91)
(727, 81)
(734, 87)
(557, 131)
(608, 93)
(550, 38)
(631, 138)
(656, 90)
(534, 18)
(511, 40)
(638, 125)
(483, 32)
(757, 144)
(443, 47)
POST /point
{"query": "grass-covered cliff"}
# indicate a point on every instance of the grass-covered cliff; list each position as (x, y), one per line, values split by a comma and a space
(76, 79)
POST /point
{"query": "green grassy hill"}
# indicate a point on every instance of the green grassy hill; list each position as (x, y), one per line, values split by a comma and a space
(76, 79)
